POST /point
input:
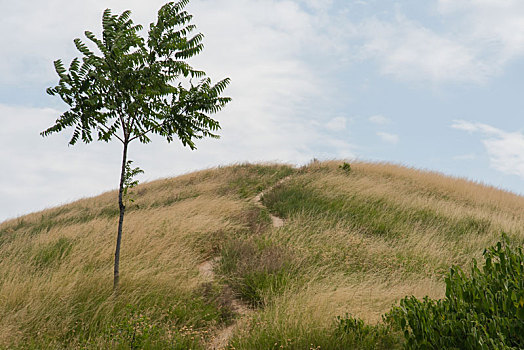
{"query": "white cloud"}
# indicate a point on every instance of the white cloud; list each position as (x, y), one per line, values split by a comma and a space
(336, 124)
(379, 120)
(496, 25)
(473, 127)
(505, 149)
(318, 4)
(387, 137)
(475, 41)
(44, 32)
(39, 172)
(407, 50)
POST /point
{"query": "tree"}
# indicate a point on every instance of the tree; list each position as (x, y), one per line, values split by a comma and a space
(136, 87)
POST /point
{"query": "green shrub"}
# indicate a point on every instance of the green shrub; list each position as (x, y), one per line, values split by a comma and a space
(346, 167)
(484, 310)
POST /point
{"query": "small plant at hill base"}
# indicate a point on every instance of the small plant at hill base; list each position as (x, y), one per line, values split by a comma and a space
(129, 183)
(482, 310)
(346, 167)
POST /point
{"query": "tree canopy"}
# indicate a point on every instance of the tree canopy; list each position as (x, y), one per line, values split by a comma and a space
(132, 88)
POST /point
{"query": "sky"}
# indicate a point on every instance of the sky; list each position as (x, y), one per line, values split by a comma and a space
(434, 85)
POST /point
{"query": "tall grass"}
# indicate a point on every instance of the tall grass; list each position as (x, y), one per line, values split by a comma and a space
(361, 241)
(56, 265)
(353, 243)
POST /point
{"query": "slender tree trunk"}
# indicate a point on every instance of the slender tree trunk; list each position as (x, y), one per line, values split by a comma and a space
(122, 208)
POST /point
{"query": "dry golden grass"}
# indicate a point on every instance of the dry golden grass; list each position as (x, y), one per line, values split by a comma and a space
(352, 243)
(56, 265)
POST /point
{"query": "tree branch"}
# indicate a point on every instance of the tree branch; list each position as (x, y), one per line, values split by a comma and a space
(107, 130)
(141, 134)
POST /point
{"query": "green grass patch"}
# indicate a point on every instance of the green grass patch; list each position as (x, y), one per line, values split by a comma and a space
(256, 219)
(52, 253)
(255, 269)
(140, 318)
(137, 330)
(263, 333)
(374, 216)
(56, 218)
(175, 198)
(359, 335)
(247, 180)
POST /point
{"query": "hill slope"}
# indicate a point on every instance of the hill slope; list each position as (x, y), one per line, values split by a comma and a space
(351, 243)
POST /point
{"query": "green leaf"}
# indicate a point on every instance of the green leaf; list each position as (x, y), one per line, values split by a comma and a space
(520, 313)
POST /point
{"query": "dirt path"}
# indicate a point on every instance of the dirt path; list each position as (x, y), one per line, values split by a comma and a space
(221, 338)
(206, 269)
(277, 222)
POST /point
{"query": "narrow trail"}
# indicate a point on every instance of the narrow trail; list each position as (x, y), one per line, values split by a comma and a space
(206, 269)
(277, 222)
(221, 338)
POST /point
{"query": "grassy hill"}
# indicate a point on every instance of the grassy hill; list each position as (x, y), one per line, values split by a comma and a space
(352, 243)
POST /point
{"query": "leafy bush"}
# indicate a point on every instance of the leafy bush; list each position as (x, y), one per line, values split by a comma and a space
(346, 167)
(482, 311)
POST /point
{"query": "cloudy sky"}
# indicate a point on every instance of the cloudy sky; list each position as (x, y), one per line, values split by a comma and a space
(430, 84)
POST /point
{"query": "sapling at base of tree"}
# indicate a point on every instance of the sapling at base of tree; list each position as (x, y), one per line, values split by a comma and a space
(137, 86)
(129, 181)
